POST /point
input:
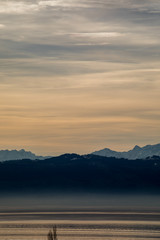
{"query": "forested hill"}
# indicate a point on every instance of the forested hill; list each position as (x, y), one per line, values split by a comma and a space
(80, 173)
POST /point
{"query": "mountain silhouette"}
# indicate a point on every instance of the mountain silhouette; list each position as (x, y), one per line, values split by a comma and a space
(135, 153)
(17, 155)
(72, 172)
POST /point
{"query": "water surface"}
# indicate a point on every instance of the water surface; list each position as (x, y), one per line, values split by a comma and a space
(80, 225)
(80, 217)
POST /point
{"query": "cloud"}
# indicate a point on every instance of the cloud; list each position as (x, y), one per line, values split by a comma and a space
(20, 6)
(2, 26)
(23, 7)
(77, 73)
(136, 5)
(17, 7)
(63, 3)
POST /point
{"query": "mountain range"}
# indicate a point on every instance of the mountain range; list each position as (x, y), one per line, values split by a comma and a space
(95, 172)
(85, 173)
(136, 153)
(18, 155)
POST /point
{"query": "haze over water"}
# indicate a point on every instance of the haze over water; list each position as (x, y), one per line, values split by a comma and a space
(113, 217)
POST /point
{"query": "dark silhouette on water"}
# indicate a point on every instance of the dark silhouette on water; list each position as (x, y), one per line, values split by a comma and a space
(52, 235)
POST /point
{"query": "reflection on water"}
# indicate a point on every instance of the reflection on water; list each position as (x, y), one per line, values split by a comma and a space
(87, 217)
(80, 225)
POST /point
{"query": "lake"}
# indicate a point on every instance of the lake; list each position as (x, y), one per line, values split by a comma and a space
(80, 225)
(88, 218)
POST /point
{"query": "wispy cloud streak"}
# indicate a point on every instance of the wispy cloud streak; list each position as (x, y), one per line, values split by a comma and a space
(79, 74)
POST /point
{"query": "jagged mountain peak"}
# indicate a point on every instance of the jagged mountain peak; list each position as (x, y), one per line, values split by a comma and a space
(136, 148)
(135, 153)
(17, 155)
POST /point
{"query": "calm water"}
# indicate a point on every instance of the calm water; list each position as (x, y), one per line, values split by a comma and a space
(75, 225)
(87, 217)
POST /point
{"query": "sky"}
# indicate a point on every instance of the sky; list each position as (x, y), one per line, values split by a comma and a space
(79, 76)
